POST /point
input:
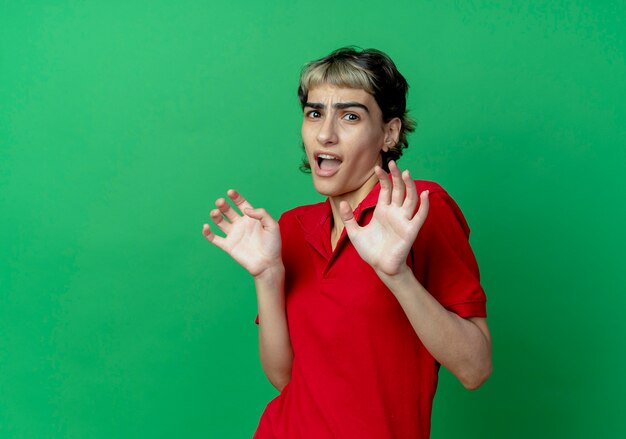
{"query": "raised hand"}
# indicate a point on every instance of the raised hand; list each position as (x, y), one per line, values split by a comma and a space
(252, 237)
(385, 242)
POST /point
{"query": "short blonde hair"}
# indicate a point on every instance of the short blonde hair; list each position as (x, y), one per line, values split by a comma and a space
(372, 71)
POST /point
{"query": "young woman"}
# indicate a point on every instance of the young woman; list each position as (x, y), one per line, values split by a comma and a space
(363, 296)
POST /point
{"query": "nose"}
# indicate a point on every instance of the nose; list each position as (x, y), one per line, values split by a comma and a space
(327, 134)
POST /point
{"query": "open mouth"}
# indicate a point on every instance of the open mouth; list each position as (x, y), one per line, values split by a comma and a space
(327, 162)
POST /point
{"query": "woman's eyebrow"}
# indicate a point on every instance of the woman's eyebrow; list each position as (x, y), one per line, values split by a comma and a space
(337, 106)
(344, 105)
(315, 105)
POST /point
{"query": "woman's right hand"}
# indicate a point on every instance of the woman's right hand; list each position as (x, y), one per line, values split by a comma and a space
(252, 237)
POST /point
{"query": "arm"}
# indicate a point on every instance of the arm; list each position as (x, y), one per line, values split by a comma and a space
(253, 240)
(461, 345)
(274, 342)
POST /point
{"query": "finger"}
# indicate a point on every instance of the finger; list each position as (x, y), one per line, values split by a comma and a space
(227, 210)
(212, 237)
(397, 194)
(422, 212)
(411, 193)
(239, 200)
(347, 216)
(263, 216)
(219, 221)
(384, 197)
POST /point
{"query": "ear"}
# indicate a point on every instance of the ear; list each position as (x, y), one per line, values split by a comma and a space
(392, 133)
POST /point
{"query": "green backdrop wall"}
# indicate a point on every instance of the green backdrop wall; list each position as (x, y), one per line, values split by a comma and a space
(122, 121)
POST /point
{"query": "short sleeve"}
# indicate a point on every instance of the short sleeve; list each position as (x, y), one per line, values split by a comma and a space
(443, 261)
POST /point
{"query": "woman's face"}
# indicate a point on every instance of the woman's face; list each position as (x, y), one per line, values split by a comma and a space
(343, 134)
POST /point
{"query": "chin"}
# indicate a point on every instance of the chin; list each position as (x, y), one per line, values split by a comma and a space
(325, 188)
(320, 189)
(331, 190)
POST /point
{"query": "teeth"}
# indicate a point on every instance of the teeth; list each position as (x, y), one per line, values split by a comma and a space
(326, 156)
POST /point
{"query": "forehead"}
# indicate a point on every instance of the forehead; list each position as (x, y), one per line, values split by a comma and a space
(328, 93)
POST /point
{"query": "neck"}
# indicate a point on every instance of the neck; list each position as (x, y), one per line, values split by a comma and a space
(353, 199)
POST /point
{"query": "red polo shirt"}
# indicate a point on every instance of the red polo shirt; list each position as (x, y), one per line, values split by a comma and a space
(359, 369)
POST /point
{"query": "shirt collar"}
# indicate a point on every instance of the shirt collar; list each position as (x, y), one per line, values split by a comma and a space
(317, 214)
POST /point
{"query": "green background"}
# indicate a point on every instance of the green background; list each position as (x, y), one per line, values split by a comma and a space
(122, 121)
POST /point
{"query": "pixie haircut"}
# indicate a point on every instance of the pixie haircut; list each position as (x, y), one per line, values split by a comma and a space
(372, 71)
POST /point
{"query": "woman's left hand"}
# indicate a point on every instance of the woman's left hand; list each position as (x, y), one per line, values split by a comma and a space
(385, 242)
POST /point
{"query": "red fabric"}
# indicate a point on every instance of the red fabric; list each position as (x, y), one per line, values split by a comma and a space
(359, 369)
